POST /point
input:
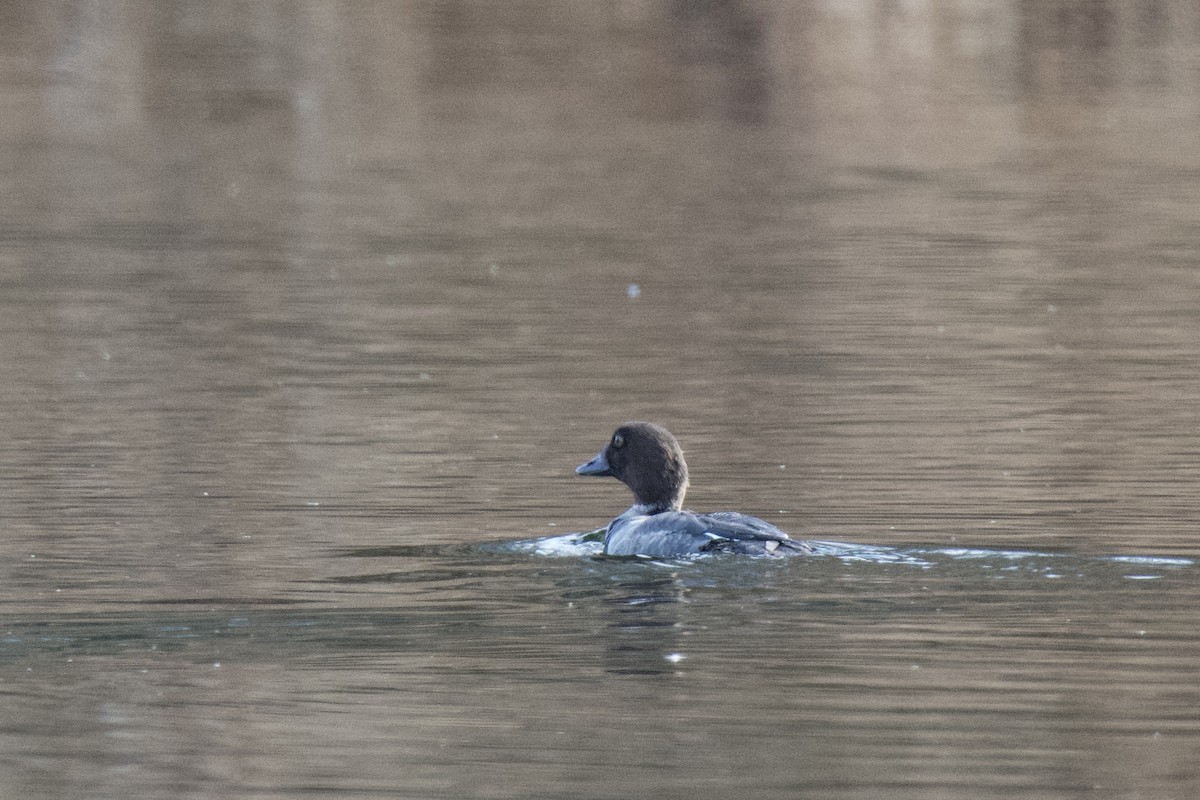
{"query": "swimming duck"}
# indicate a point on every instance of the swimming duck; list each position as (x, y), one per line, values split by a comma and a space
(648, 459)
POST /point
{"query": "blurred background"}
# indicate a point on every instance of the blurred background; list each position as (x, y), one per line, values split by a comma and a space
(280, 281)
(418, 259)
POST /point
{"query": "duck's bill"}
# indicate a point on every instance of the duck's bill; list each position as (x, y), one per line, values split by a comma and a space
(597, 466)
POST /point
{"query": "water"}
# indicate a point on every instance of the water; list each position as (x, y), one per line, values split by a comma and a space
(481, 671)
(308, 312)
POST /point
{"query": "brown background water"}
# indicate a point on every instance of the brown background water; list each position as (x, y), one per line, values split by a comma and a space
(308, 308)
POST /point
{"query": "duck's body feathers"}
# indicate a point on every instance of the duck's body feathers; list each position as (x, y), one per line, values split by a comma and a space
(674, 533)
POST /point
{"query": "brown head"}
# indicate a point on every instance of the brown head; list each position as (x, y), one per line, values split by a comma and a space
(646, 458)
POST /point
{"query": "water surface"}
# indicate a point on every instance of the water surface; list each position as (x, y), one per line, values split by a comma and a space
(308, 310)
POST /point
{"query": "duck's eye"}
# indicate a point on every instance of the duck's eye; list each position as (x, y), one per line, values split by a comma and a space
(618, 440)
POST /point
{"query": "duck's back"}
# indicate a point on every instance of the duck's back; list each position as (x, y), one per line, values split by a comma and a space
(679, 533)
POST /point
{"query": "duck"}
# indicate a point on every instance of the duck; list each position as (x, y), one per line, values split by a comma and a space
(647, 458)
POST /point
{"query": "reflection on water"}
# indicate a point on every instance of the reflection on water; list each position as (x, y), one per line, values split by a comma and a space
(308, 310)
(480, 673)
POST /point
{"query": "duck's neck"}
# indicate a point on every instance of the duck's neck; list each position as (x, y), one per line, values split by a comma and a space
(645, 507)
